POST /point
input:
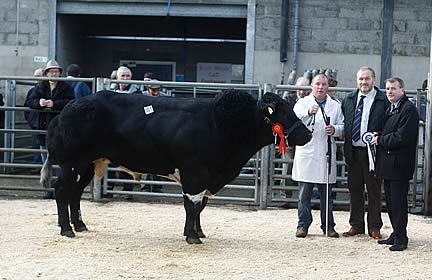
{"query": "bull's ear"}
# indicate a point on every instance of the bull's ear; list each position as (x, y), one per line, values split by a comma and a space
(270, 109)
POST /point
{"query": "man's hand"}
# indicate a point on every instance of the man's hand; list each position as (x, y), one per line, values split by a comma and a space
(330, 130)
(375, 138)
(313, 110)
(42, 102)
(49, 103)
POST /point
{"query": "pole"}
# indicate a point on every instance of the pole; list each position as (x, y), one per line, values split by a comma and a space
(327, 197)
(329, 154)
(427, 189)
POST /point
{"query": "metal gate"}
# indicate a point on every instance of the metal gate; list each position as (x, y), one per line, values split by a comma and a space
(264, 181)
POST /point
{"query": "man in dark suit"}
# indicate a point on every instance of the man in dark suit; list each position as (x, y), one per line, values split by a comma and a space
(396, 159)
(364, 111)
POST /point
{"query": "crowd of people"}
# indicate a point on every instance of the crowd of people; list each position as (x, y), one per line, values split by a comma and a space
(379, 130)
(50, 96)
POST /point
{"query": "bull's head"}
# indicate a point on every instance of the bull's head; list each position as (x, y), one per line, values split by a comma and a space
(278, 111)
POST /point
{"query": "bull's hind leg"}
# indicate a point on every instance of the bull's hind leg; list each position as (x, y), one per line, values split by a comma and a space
(83, 178)
(198, 228)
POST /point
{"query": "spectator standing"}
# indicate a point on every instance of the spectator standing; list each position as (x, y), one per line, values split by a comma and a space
(310, 160)
(31, 118)
(333, 83)
(152, 90)
(50, 96)
(396, 159)
(124, 73)
(364, 111)
(113, 76)
(80, 88)
(300, 93)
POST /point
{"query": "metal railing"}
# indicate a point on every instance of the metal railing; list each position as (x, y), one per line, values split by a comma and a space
(264, 181)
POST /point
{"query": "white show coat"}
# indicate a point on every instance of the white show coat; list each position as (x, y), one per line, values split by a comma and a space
(310, 160)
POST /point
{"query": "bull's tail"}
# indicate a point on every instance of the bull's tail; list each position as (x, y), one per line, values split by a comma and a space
(46, 173)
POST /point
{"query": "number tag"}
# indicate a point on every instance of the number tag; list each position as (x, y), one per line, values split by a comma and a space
(148, 110)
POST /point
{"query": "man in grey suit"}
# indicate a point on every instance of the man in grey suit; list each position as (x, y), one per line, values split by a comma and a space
(364, 111)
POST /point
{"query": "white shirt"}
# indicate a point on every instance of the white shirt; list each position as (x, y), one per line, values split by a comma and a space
(367, 104)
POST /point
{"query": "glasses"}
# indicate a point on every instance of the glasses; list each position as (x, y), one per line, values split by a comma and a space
(53, 71)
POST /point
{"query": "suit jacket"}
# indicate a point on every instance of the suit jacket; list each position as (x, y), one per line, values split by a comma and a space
(376, 118)
(398, 142)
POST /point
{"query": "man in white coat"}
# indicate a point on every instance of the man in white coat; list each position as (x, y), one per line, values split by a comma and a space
(310, 161)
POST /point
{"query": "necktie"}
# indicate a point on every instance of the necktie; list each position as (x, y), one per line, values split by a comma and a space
(357, 120)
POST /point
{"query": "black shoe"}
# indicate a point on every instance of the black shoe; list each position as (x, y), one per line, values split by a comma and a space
(332, 233)
(301, 232)
(388, 241)
(397, 247)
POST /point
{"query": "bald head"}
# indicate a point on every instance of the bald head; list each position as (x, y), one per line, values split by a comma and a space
(302, 81)
(38, 72)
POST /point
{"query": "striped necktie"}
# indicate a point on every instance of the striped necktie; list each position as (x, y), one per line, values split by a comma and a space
(357, 120)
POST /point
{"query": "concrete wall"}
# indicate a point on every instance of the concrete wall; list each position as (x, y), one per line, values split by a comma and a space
(343, 35)
(339, 34)
(17, 56)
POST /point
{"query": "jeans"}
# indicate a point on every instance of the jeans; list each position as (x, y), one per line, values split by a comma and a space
(304, 205)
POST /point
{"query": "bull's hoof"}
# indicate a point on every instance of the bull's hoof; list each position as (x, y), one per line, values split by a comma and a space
(201, 234)
(67, 233)
(80, 227)
(191, 240)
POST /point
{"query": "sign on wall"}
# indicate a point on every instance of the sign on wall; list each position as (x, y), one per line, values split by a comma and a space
(214, 72)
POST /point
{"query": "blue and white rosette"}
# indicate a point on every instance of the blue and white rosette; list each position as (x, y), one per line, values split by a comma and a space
(367, 139)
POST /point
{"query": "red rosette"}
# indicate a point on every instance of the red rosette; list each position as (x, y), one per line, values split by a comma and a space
(277, 129)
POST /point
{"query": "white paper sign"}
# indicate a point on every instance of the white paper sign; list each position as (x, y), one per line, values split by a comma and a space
(148, 109)
(40, 58)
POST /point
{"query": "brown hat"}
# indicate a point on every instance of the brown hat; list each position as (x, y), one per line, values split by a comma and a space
(52, 64)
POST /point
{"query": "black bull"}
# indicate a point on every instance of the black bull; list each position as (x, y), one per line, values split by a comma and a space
(200, 143)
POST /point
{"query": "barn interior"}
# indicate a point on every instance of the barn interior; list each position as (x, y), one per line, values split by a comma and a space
(170, 47)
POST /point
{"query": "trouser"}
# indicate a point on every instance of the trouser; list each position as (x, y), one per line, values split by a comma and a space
(304, 205)
(358, 177)
(396, 197)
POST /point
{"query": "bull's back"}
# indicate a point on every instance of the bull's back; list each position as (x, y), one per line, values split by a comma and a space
(128, 127)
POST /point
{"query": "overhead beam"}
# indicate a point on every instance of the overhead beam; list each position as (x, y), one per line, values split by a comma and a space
(153, 9)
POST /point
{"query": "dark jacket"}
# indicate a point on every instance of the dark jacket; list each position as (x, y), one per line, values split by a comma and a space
(30, 116)
(80, 89)
(376, 118)
(398, 142)
(60, 96)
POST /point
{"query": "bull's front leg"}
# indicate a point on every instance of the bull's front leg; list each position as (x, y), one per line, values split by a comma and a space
(192, 206)
(198, 228)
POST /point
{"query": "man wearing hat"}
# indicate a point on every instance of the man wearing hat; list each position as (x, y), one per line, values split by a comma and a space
(152, 90)
(50, 96)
